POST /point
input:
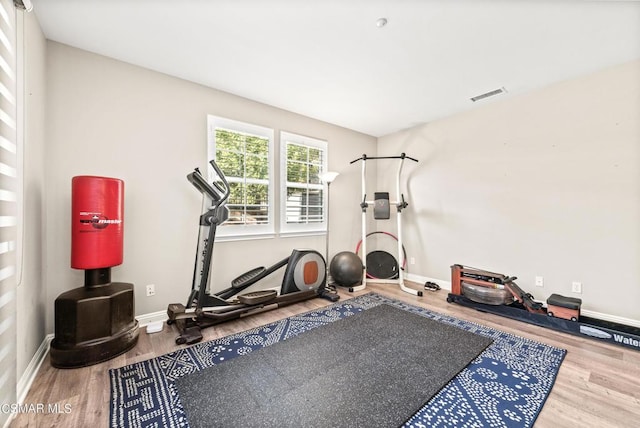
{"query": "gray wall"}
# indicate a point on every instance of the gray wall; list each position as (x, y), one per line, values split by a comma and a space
(109, 118)
(543, 184)
(32, 303)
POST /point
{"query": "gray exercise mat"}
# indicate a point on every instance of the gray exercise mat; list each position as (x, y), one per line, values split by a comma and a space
(373, 369)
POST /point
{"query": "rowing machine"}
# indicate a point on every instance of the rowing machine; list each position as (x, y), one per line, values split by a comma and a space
(498, 294)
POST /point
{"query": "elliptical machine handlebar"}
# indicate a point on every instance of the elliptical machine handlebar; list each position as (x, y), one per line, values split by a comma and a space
(224, 188)
(218, 191)
(401, 156)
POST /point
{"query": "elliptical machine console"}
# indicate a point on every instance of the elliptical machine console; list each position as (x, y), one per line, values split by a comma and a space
(304, 277)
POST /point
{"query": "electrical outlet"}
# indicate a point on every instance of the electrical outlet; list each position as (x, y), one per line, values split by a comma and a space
(539, 281)
(151, 290)
(412, 261)
(576, 287)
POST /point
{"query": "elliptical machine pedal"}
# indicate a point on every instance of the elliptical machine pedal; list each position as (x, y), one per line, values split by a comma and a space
(257, 297)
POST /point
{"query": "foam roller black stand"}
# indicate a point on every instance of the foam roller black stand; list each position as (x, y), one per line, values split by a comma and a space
(94, 323)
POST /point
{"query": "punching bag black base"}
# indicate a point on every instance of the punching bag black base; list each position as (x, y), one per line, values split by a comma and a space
(93, 323)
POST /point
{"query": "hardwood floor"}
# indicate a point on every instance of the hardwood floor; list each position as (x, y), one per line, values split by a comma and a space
(598, 384)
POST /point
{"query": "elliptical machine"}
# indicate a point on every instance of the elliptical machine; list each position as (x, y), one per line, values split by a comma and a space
(304, 278)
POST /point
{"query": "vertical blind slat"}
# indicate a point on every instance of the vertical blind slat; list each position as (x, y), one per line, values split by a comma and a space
(8, 206)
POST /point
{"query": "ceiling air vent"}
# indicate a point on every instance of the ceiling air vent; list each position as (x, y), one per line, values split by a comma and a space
(488, 94)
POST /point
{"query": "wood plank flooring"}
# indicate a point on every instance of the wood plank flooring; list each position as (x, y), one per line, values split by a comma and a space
(598, 384)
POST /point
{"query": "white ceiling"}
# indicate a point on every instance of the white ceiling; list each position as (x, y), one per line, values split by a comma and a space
(328, 59)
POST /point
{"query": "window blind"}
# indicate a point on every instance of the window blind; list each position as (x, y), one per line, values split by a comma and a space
(8, 206)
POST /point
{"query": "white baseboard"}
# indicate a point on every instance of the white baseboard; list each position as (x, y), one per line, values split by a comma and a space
(610, 318)
(147, 319)
(445, 285)
(25, 381)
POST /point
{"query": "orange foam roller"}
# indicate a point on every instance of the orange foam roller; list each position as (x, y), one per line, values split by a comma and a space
(97, 226)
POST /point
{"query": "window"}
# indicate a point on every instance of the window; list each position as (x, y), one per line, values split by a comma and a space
(244, 153)
(302, 201)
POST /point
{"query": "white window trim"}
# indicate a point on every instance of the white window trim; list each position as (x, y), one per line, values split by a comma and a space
(230, 232)
(295, 229)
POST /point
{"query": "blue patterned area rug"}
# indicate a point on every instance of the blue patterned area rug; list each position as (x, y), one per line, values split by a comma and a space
(505, 386)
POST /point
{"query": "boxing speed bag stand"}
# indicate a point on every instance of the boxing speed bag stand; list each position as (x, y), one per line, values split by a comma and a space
(96, 322)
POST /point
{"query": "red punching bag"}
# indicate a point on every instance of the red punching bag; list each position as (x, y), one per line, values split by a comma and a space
(97, 213)
(96, 322)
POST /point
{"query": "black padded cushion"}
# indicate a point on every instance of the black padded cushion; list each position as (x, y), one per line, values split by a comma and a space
(564, 302)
